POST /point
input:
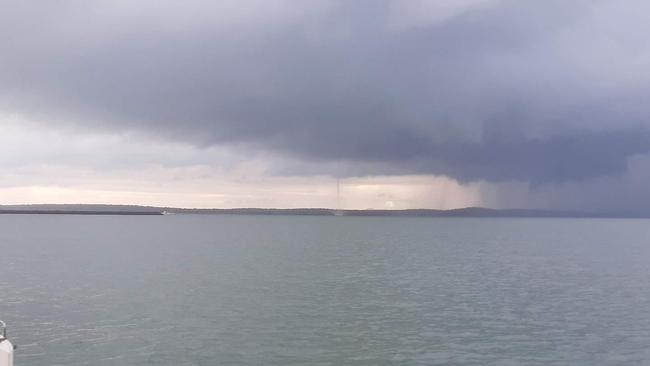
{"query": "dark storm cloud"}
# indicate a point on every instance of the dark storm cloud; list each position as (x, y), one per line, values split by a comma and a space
(539, 92)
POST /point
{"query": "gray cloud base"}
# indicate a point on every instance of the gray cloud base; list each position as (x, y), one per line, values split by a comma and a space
(536, 92)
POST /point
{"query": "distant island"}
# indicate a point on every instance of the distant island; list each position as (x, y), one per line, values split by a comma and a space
(99, 209)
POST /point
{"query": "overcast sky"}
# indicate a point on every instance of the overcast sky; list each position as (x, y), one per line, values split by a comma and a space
(410, 103)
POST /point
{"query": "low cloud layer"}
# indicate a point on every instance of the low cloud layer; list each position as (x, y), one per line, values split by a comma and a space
(477, 90)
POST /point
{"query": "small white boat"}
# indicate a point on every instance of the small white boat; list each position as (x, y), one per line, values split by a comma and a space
(6, 348)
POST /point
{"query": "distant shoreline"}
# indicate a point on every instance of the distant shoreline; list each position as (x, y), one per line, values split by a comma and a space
(74, 212)
(132, 210)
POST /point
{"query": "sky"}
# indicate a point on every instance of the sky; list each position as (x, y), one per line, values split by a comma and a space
(267, 103)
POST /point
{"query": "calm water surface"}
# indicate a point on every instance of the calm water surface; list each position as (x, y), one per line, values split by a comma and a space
(262, 290)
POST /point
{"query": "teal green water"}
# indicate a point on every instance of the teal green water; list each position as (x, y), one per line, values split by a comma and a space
(263, 290)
